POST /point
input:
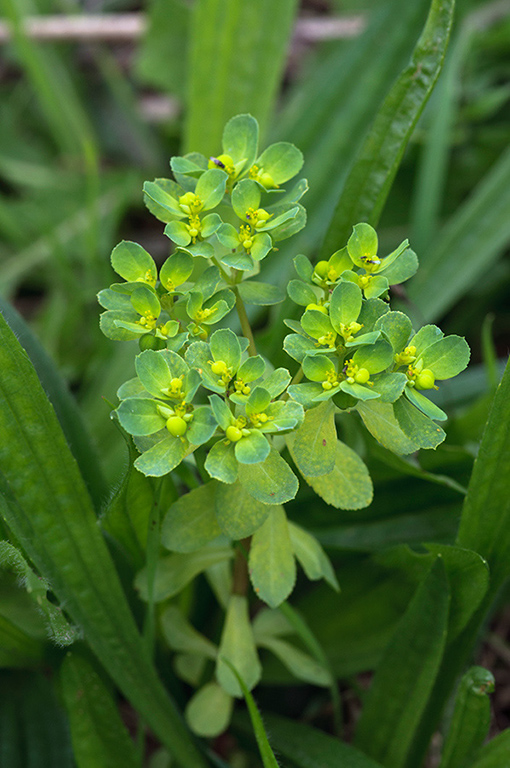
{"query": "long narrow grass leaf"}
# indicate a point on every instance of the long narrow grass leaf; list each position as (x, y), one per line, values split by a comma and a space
(372, 174)
(236, 61)
(468, 245)
(485, 522)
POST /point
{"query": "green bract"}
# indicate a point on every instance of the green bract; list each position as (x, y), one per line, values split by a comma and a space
(210, 411)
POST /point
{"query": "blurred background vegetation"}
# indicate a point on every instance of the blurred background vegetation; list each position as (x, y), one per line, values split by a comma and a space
(87, 116)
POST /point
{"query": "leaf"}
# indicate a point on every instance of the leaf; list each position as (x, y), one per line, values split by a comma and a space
(225, 346)
(271, 482)
(379, 419)
(173, 572)
(271, 562)
(266, 753)
(211, 187)
(299, 664)
(313, 445)
(237, 646)
(419, 428)
(311, 556)
(282, 161)
(466, 247)
(252, 449)
(223, 35)
(470, 720)
(241, 139)
(261, 294)
(348, 485)
(221, 462)
(133, 263)
(495, 753)
(371, 176)
(209, 710)
(140, 416)
(35, 730)
(484, 525)
(190, 522)
(425, 405)
(447, 357)
(308, 747)
(17, 649)
(374, 357)
(345, 304)
(69, 415)
(45, 504)
(406, 674)
(181, 636)
(161, 54)
(100, 738)
(239, 515)
(162, 457)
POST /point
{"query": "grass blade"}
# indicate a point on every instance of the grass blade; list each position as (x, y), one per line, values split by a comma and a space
(434, 157)
(372, 174)
(485, 522)
(468, 245)
(327, 118)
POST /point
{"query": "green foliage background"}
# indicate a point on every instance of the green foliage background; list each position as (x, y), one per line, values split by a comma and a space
(75, 149)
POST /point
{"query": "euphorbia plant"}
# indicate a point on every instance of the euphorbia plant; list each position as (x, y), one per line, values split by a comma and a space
(224, 429)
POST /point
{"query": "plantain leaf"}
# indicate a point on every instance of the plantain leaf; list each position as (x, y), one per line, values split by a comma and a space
(100, 738)
(405, 675)
(471, 718)
(66, 409)
(308, 747)
(46, 506)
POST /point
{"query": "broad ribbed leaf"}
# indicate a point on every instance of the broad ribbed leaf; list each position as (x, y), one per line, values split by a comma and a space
(45, 504)
(100, 738)
(470, 720)
(308, 747)
(406, 674)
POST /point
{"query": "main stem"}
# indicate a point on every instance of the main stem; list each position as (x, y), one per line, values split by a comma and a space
(241, 579)
(245, 323)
